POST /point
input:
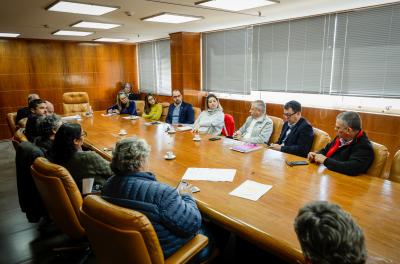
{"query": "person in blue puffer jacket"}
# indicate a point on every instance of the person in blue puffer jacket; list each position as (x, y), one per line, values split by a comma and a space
(174, 214)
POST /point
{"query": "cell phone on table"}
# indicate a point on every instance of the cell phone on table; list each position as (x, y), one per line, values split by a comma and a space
(214, 138)
(297, 163)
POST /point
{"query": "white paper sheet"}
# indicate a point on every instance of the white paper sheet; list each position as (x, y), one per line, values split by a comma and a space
(184, 128)
(112, 114)
(206, 174)
(251, 190)
(130, 117)
(69, 118)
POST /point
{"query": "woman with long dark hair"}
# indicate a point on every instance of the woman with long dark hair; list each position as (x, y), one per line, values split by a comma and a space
(67, 152)
(152, 109)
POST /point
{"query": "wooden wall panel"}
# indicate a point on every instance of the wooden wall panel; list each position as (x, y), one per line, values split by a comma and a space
(51, 68)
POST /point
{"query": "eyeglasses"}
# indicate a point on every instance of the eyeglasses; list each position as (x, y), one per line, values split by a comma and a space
(289, 115)
(84, 133)
(176, 96)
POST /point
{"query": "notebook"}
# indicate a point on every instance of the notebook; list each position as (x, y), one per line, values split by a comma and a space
(245, 148)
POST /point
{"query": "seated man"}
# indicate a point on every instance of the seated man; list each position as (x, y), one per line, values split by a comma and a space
(38, 107)
(258, 127)
(179, 112)
(297, 134)
(25, 112)
(329, 235)
(351, 151)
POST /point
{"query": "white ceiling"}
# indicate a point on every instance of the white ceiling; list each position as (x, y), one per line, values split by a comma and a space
(30, 18)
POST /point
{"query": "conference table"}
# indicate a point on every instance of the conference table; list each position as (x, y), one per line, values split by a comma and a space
(268, 222)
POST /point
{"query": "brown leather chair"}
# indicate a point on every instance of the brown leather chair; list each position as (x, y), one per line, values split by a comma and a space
(122, 235)
(164, 114)
(395, 168)
(11, 122)
(381, 155)
(75, 102)
(60, 195)
(197, 112)
(139, 107)
(18, 137)
(22, 122)
(277, 128)
(321, 139)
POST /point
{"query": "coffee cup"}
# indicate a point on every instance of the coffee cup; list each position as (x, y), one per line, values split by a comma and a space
(197, 137)
(170, 154)
(122, 132)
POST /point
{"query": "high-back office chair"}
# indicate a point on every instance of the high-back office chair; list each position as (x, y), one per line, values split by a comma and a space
(139, 107)
(75, 102)
(197, 112)
(277, 128)
(229, 127)
(164, 114)
(60, 195)
(394, 174)
(122, 235)
(321, 139)
(381, 155)
(18, 137)
(11, 117)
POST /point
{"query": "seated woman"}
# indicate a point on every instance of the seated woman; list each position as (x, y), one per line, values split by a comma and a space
(152, 109)
(123, 106)
(174, 214)
(67, 152)
(211, 120)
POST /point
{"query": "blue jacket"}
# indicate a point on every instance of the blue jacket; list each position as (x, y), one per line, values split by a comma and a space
(131, 110)
(300, 139)
(175, 218)
(186, 114)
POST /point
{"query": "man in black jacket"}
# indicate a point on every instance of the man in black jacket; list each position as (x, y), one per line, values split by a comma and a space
(297, 134)
(351, 151)
(25, 111)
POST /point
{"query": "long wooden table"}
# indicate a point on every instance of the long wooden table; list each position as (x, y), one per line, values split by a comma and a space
(268, 222)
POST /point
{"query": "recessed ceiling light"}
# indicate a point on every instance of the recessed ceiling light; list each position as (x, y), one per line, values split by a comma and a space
(9, 35)
(110, 39)
(84, 24)
(72, 33)
(79, 8)
(171, 18)
(235, 5)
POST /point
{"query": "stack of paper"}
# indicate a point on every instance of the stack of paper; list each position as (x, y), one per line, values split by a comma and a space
(251, 190)
(205, 174)
(70, 118)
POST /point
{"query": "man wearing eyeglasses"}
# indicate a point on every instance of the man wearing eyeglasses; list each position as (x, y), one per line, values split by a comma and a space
(179, 112)
(297, 134)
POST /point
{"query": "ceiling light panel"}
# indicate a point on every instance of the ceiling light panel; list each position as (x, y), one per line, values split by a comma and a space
(79, 8)
(72, 33)
(9, 35)
(235, 5)
(85, 24)
(171, 18)
(110, 39)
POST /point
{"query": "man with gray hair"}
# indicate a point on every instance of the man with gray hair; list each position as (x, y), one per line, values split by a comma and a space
(258, 127)
(328, 235)
(351, 151)
(173, 213)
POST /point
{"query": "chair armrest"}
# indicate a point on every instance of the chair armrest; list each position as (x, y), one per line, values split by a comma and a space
(191, 248)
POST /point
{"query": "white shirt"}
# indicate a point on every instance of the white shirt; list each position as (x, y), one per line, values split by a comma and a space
(249, 130)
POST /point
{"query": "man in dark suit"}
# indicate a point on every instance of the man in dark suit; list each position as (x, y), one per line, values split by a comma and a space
(297, 134)
(25, 111)
(179, 112)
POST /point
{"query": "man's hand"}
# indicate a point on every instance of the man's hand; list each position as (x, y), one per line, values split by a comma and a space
(275, 147)
(185, 188)
(319, 158)
(311, 156)
(237, 135)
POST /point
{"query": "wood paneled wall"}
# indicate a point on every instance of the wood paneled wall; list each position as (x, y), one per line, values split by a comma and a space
(51, 68)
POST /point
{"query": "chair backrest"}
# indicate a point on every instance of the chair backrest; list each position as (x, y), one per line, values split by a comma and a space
(75, 102)
(60, 195)
(139, 107)
(22, 122)
(321, 139)
(197, 112)
(19, 135)
(381, 155)
(11, 117)
(119, 235)
(229, 127)
(164, 114)
(395, 168)
(277, 128)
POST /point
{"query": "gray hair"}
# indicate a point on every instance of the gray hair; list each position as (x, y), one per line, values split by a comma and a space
(260, 105)
(129, 155)
(328, 235)
(33, 97)
(48, 125)
(350, 119)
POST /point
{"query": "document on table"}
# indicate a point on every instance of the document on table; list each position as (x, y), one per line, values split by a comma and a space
(251, 190)
(130, 117)
(184, 128)
(207, 174)
(70, 118)
(109, 114)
